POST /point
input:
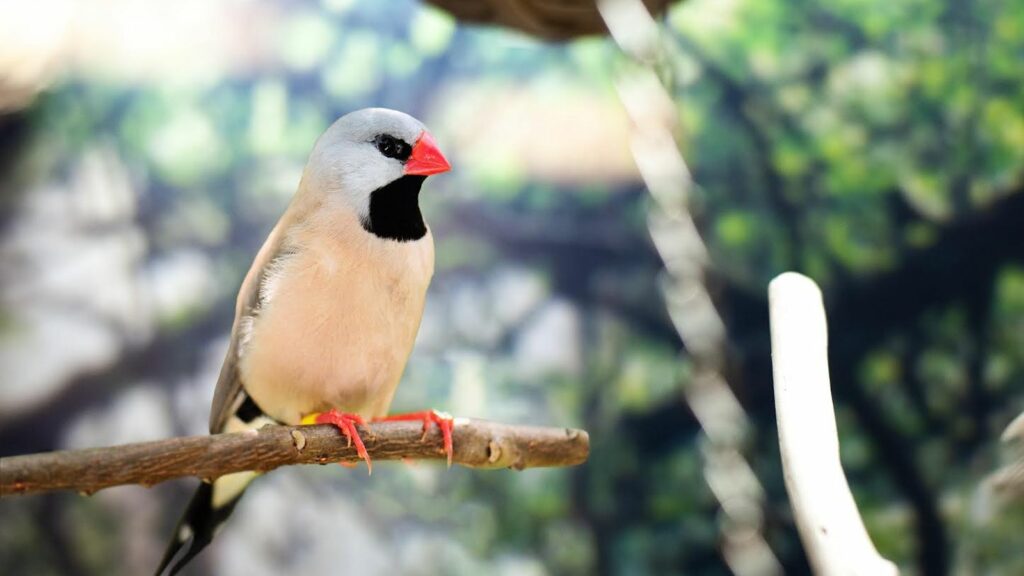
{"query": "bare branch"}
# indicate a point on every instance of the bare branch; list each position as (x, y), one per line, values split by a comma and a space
(477, 444)
(826, 515)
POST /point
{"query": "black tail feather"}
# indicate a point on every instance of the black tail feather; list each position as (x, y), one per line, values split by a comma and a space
(196, 528)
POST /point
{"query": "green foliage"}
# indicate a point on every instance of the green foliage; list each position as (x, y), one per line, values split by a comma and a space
(431, 31)
(856, 100)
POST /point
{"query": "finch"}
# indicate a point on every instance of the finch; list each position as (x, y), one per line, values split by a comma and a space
(328, 313)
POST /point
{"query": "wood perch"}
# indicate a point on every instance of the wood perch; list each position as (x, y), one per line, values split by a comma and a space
(477, 444)
(826, 515)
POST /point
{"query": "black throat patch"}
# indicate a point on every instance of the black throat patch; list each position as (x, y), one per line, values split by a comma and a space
(395, 210)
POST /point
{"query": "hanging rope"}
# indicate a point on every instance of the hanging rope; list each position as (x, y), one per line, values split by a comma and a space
(725, 425)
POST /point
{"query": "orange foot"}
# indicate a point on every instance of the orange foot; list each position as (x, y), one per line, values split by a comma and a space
(444, 422)
(346, 423)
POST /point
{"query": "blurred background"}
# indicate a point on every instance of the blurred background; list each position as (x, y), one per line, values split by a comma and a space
(146, 150)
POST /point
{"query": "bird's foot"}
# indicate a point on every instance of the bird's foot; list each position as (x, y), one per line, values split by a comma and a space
(443, 420)
(346, 423)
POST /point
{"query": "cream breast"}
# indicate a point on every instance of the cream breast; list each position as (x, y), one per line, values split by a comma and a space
(339, 315)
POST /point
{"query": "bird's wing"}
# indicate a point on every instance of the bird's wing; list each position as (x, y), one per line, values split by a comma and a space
(229, 384)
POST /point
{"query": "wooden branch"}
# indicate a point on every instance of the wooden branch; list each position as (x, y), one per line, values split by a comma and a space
(1008, 481)
(826, 515)
(477, 444)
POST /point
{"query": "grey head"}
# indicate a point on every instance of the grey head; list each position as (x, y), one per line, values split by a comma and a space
(374, 161)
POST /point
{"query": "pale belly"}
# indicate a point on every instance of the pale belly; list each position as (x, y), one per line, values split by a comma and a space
(332, 338)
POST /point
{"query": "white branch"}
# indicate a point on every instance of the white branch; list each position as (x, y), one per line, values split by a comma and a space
(830, 525)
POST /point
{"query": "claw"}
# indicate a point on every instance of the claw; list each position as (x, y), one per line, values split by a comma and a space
(443, 420)
(346, 423)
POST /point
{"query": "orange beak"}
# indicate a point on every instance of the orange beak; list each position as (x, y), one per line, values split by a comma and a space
(426, 159)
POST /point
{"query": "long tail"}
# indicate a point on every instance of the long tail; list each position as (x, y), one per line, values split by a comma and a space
(198, 525)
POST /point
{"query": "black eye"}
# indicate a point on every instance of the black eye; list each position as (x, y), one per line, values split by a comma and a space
(393, 147)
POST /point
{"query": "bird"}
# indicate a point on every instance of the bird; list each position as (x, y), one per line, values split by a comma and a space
(328, 313)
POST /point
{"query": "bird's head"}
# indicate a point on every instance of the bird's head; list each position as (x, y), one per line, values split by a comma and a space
(373, 162)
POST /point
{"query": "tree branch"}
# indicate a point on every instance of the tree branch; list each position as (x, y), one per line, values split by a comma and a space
(826, 515)
(477, 444)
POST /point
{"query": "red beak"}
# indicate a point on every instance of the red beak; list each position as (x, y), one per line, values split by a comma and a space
(426, 159)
